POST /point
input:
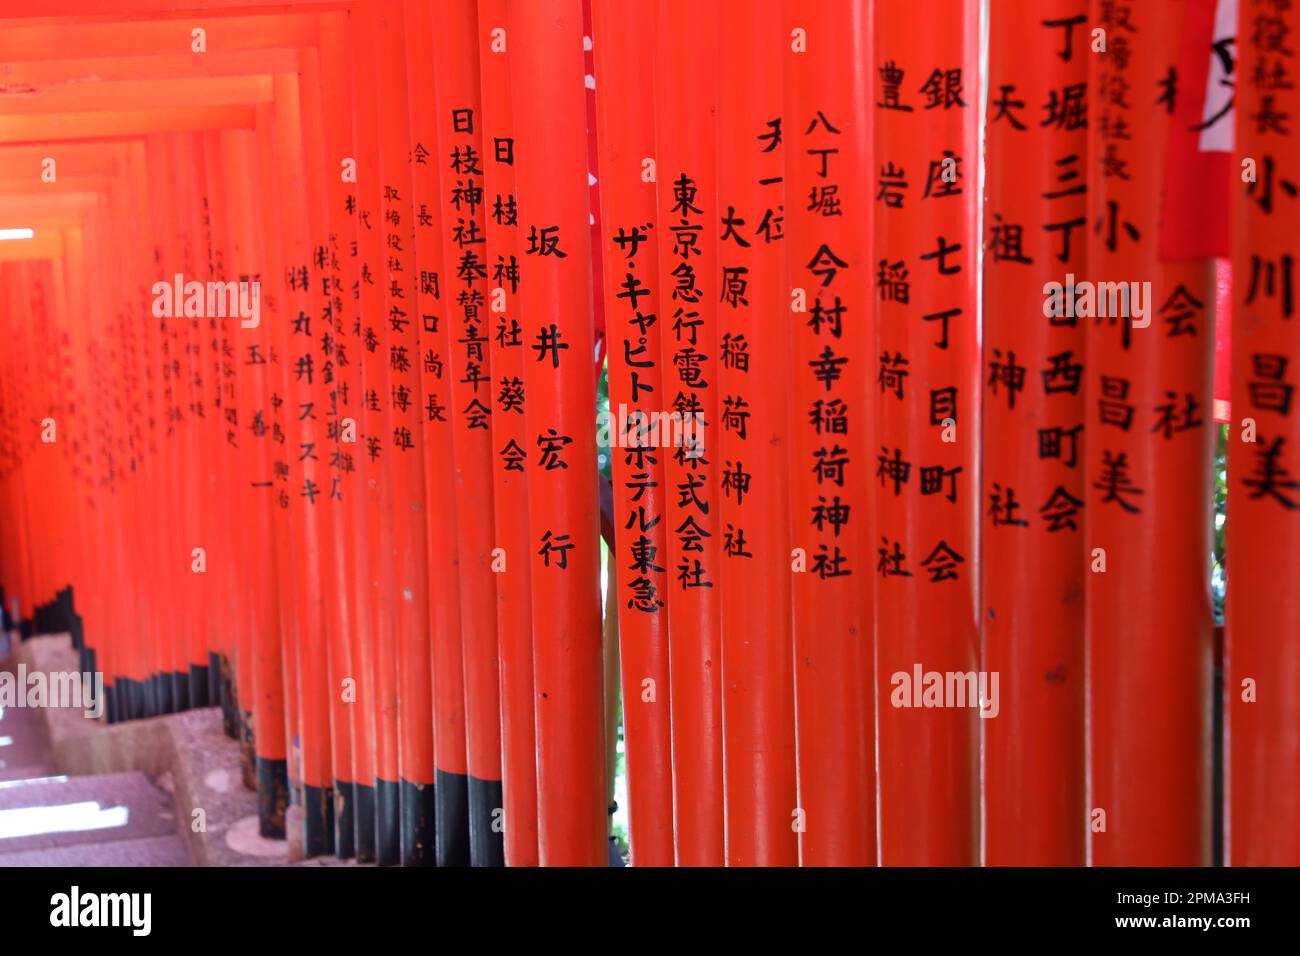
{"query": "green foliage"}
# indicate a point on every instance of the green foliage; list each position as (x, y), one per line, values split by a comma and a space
(604, 458)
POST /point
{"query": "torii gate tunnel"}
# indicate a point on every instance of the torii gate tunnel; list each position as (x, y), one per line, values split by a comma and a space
(785, 432)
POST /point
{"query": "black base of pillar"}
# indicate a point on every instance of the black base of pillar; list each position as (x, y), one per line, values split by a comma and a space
(419, 824)
(345, 846)
(88, 661)
(272, 797)
(388, 823)
(198, 678)
(214, 680)
(317, 821)
(486, 838)
(452, 800)
(363, 813)
(180, 691)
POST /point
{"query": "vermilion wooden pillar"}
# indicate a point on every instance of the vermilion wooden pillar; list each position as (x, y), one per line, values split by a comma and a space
(448, 805)
(1033, 445)
(187, 435)
(1148, 502)
(73, 526)
(762, 813)
(377, 430)
(1263, 529)
(304, 399)
(209, 383)
(134, 667)
(12, 463)
(277, 312)
(325, 142)
(16, 275)
(104, 501)
(462, 154)
(31, 404)
(175, 682)
(139, 521)
(280, 309)
(228, 599)
(177, 258)
(357, 688)
(509, 470)
(73, 297)
(159, 610)
(546, 82)
(191, 680)
(107, 472)
(248, 430)
(24, 399)
(234, 615)
(225, 595)
(411, 604)
(828, 216)
(165, 638)
(685, 93)
(925, 87)
(10, 561)
(640, 430)
(17, 445)
(204, 497)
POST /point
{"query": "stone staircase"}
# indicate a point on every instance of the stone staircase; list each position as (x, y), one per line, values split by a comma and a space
(47, 819)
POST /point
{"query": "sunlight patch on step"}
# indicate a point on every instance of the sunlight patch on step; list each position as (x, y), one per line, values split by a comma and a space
(62, 818)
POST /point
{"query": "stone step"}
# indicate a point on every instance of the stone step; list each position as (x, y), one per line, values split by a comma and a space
(29, 771)
(74, 811)
(24, 745)
(149, 851)
(25, 725)
(21, 749)
(22, 716)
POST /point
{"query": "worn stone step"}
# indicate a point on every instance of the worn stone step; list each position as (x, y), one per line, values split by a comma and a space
(149, 851)
(16, 753)
(22, 721)
(103, 808)
(28, 771)
(19, 749)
